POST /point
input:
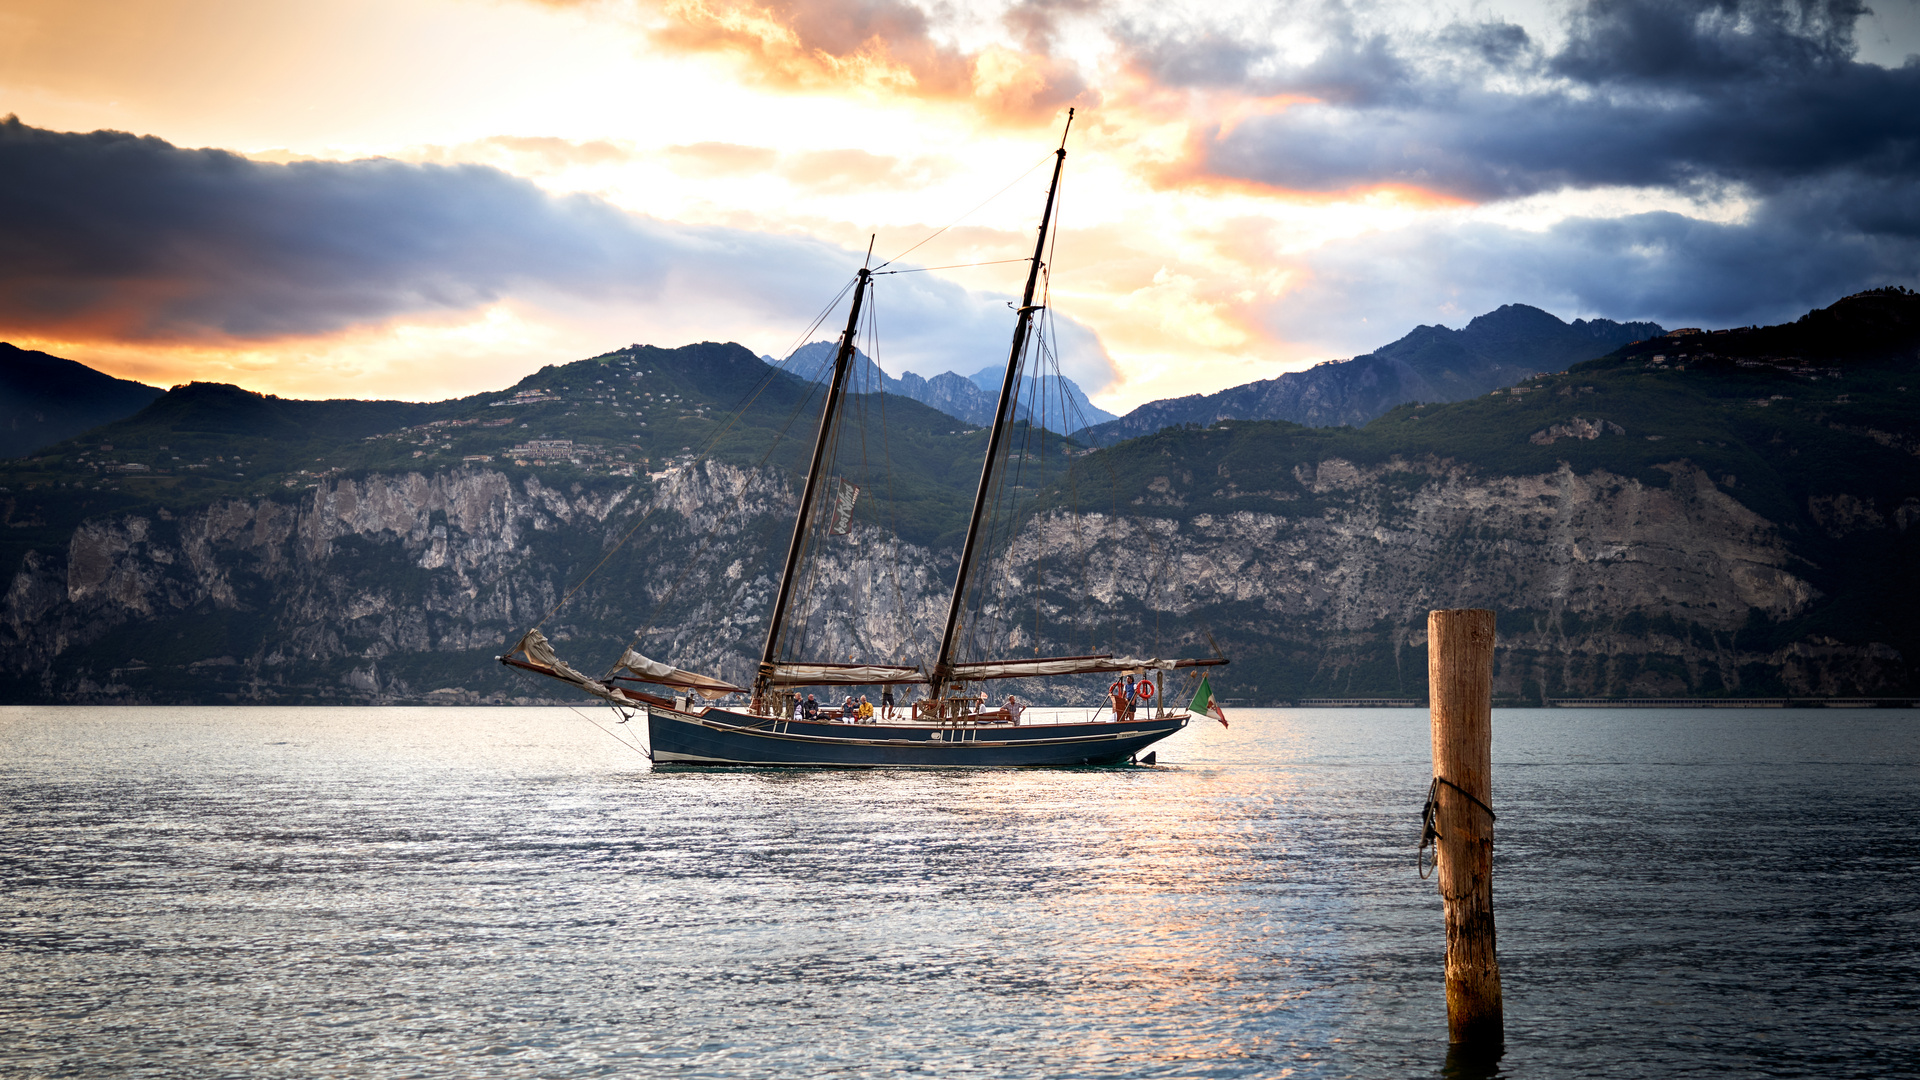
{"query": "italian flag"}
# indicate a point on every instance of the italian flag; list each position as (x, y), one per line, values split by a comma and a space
(1203, 702)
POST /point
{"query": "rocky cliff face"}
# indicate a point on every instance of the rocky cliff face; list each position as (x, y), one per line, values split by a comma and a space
(403, 587)
(1606, 586)
(394, 586)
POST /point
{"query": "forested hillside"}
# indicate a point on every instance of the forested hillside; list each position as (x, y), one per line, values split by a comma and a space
(44, 399)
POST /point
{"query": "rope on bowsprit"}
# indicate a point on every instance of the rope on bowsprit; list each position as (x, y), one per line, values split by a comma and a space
(1429, 827)
(624, 717)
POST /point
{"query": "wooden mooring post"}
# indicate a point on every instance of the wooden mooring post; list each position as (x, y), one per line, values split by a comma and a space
(1460, 808)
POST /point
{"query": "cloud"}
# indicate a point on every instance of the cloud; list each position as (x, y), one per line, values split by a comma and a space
(1756, 103)
(555, 153)
(822, 171)
(720, 159)
(1813, 242)
(1644, 93)
(888, 46)
(116, 238)
(1348, 62)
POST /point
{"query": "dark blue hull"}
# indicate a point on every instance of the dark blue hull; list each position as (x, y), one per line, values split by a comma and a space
(718, 737)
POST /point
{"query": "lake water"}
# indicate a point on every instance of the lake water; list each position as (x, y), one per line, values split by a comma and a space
(513, 892)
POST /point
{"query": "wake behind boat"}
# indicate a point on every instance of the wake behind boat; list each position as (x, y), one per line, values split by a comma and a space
(952, 725)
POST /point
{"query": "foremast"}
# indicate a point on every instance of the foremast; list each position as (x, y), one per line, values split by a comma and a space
(943, 671)
(836, 388)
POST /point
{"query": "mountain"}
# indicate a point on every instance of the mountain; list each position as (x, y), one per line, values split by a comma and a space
(225, 545)
(954, 395)
(1728, 513)
(1054, 402)
(44, 399)
(1733, 513)
(1061, 395)
(1431, 364)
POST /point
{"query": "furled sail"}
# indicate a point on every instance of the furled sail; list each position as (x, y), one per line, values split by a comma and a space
(1061, 665)
(541, 658)
(798, 674)
(653, 671)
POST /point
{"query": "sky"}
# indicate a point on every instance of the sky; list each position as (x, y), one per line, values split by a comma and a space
(426, 198)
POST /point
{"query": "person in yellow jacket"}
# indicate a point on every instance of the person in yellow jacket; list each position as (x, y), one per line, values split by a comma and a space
(866, 710)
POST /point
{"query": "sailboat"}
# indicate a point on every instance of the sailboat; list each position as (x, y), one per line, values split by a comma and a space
(952, 726)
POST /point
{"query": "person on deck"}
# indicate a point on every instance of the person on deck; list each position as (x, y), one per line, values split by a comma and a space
(866, 710)
(850, 709)
(1014, 709)
(812, 709)
(886, 702)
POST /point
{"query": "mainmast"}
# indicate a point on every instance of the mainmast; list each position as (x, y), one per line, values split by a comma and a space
(835, 389)
(943, 664)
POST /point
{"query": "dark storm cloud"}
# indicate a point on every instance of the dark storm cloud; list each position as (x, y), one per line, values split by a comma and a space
(1811, 243)
(1352, 67)
(135, 238)
(115, 237)
(1762, 101)
(1643, 93)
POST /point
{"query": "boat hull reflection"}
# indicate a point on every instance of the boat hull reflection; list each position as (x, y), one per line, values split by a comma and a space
(719, 737)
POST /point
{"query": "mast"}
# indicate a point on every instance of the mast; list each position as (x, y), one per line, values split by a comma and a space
(841, 361)
(943, 664)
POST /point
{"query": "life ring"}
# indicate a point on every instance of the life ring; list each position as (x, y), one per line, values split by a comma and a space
(1114, 689)
(1144, 688)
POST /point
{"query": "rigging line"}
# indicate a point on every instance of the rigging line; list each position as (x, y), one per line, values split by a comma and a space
(705, 453)
(613, 736)
(712, 530)
(1040, 545)
(797, 631)
(1022, 385)
(1070, 409)
(645, 517)
(1053, 241)
(719, 519)
(1046, 311)
(1050, 362)
(795, 642)
(1000, 522)
(1067, 483)
(1074, 419)
(876, 399)
(1160, 583)
(1029, 388)
(860, 407)
(886, 458)
(950, 266)
(794, 346)
(970, 213)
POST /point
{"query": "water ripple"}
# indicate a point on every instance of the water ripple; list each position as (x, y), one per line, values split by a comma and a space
(504, 893)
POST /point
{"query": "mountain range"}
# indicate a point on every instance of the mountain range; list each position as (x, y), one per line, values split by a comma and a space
(44, 399)
(1430, 364)
(1732, 513)
(1054, 402)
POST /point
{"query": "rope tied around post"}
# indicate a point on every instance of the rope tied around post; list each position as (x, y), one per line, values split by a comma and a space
(1429, 832)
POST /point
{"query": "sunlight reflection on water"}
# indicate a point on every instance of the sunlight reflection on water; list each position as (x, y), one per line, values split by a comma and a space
(482, 892)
